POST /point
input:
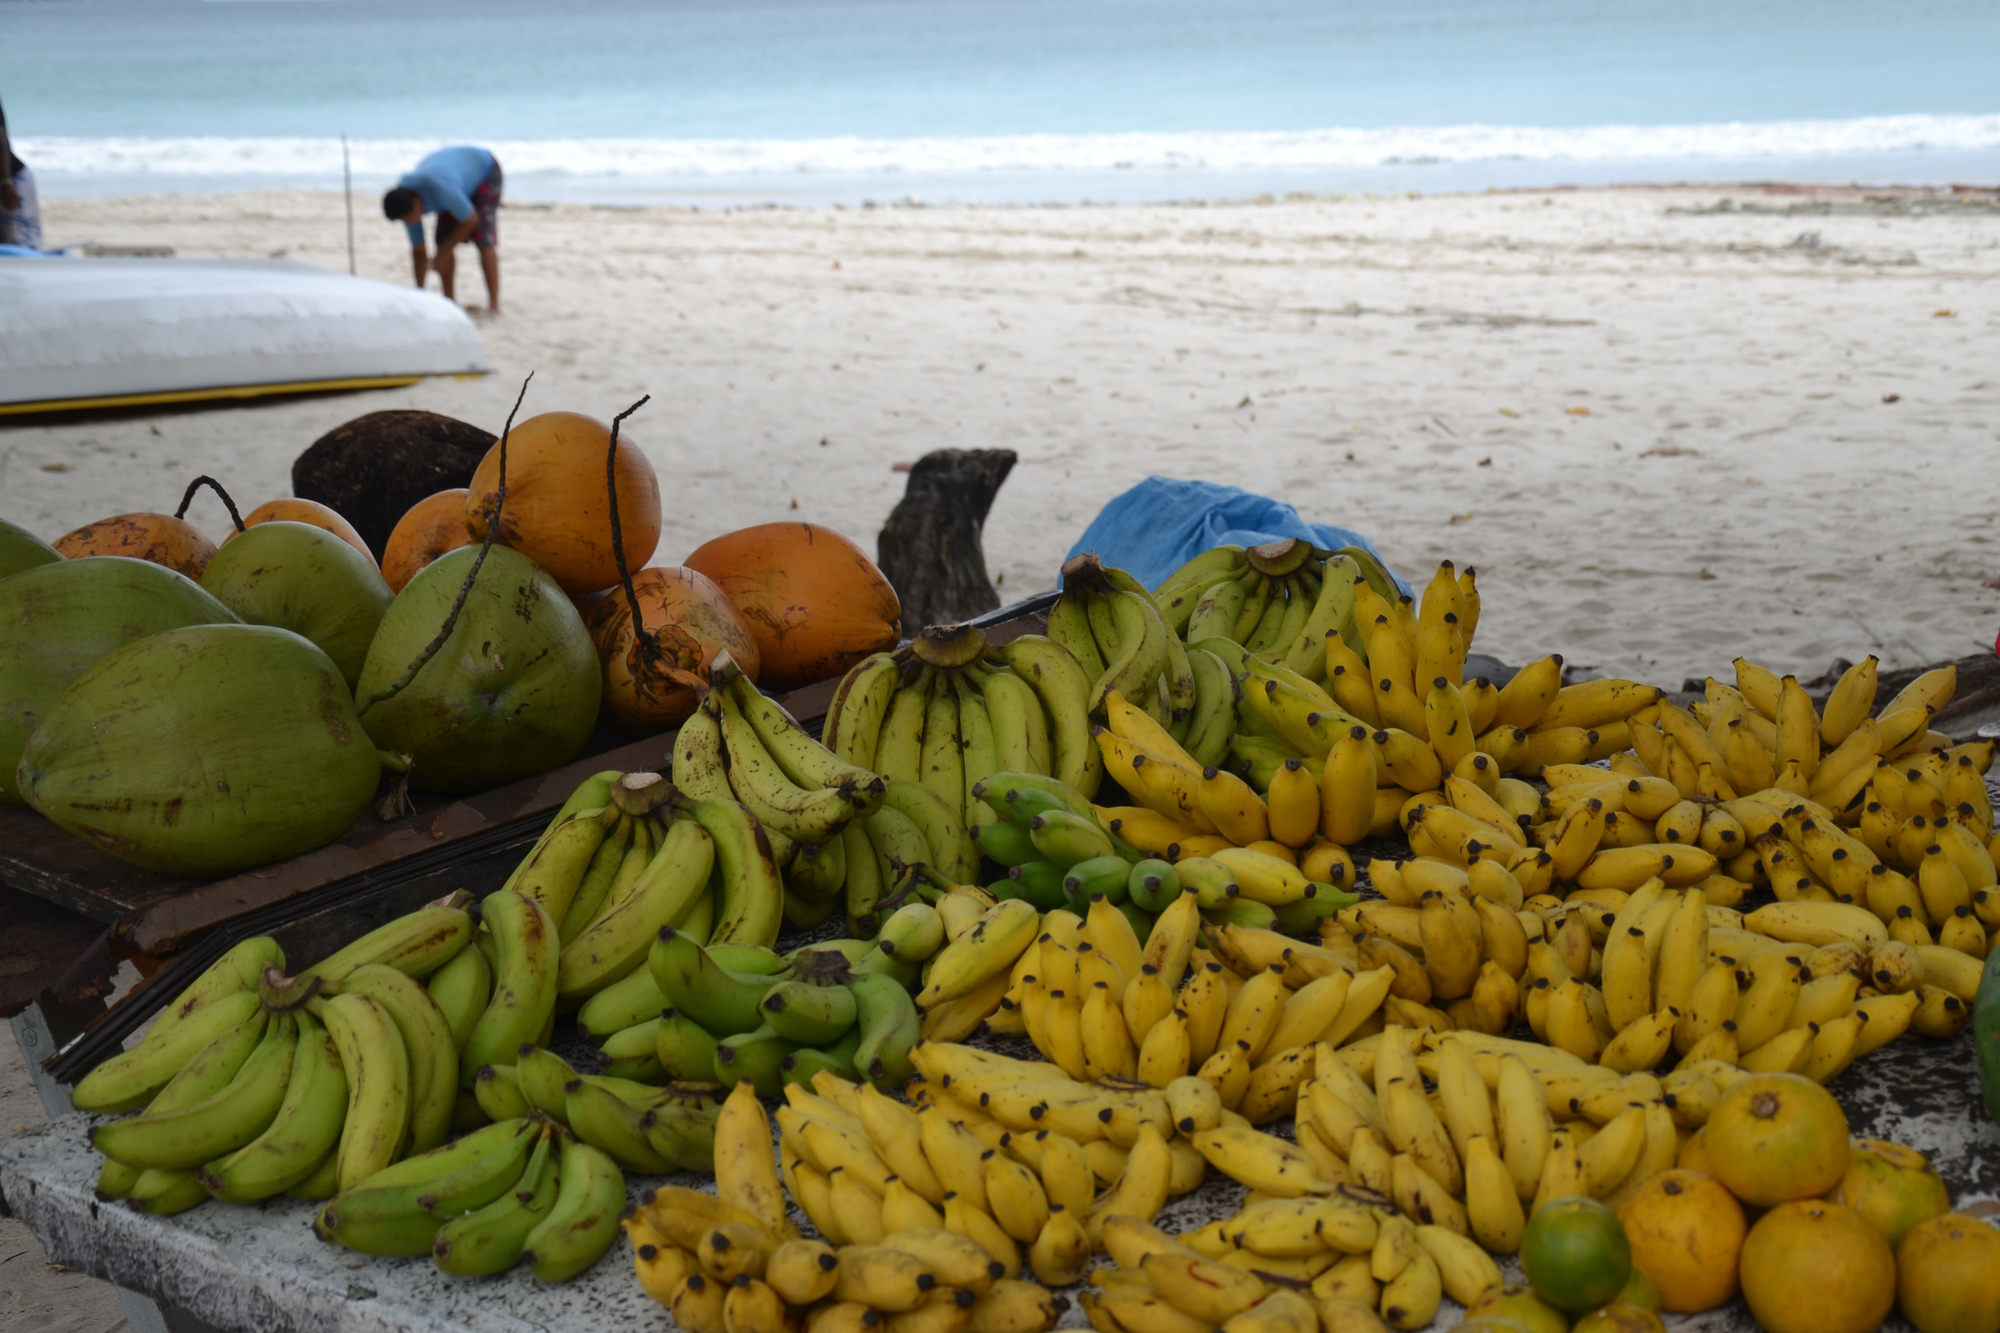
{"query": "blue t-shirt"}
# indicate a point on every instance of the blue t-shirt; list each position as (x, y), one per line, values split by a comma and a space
(445, 181)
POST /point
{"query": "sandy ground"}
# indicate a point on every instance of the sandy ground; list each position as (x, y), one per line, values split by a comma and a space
(1664, 434)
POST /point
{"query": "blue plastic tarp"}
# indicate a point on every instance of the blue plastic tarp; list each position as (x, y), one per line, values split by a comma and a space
(1159, 525)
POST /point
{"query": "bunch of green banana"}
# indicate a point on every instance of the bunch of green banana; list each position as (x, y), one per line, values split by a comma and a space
(520, 1191)
(1281, 599)
(644, 1128)
(724, 1014)
(937, 718)
(1111, 624)
(1056, 851)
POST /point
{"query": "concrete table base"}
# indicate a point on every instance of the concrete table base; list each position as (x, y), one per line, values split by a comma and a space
(260, 1270)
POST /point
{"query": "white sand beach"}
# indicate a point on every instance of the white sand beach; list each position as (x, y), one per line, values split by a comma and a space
(1665, 433)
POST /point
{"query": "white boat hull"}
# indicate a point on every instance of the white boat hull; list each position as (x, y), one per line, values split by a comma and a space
(100, 332)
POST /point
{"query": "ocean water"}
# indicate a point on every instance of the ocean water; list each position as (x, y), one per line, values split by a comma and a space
(815, 101)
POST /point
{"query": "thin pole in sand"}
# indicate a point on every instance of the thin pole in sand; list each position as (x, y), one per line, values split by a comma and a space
(347, 179)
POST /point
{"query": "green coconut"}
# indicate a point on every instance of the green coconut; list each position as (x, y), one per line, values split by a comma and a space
(513, 692)
(204, 751)
(59, 620)
(21, 549)
(304, 579)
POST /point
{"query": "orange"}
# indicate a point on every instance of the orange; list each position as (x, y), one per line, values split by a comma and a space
(1619, 1318)
(1517, 1306)
(1775, 1137)
(1576, 1255)
(1810, 1266)
(1950, 1275)
(1686, 1232)
(1892, 1186)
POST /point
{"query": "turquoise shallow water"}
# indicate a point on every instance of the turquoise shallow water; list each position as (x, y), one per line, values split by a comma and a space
(1015, 100)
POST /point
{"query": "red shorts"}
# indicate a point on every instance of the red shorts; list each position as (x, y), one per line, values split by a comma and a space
(486, 203)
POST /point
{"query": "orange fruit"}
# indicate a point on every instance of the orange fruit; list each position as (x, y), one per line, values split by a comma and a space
(1516, 1306)
(1686, 1232)
(1619, 1318)
(1576, 1255)
(1892, 1186)
(1949, 1275)
(1775, 1137)
(1810, 1266)
(1639, 1289)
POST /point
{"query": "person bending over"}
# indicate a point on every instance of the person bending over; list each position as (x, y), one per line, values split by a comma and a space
(20, 210)
(462, 186)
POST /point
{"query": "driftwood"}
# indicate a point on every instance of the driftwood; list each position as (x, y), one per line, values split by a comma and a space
(373, 468)
(930, 548)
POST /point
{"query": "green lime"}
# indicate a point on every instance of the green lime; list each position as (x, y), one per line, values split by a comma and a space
(1640, 1291)
(1576, 1255)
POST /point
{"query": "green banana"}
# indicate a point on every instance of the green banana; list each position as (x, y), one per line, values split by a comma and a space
(804, 760)
(997, 790)
(1153, 885)
(941, 761)
(304, 1133)
(427, 1040)
(462, 989)
(1062, 685)
(595, 886)
(1066, 838)
(323, 1183)
(607, 1122)
(913, 932)
(684, 1134)
(1332, 613)
(1225, 559)
(906, 972)
(115, 1180)
(804, 814)
(593, 793)
(1069, 629)
(416, 944)
(396, 1217)
(646, 834)
(555, 870)
(900, 746)
(1213, 720)
(524, 981)
(685, 1048)
(616, 944)
(544, 1078)
(837, 1059)
(756, 1055)
(184, 1138)
(752, 960)
(751, 906)
(236, 971)
(621, 1004)
(1006, 843)
(488, 1240)
(696, 987)
(979, 744)
(854, 718)
(992, 945)
(1020, 731)
(498, 1088)
(865, 884)
(132, 1079)
(161, 1193)
(1241, 912)
(1143, 655)
(807, 1014)
(952, 851)
(378, 1084)
(634, 1052)
(584, 1219)
(888, 1025)
(1106, 875)
(1038, 882)
(1215, 613)
(818, 872)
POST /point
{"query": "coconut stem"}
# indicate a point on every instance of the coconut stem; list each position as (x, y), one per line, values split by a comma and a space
(649, 643)
(431, 649)
(187, 498)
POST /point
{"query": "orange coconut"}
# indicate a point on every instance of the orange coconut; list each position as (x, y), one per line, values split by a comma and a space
(429, 528)
(813, 599)
(159, 538)
(291, 509)
(558, 510)
(692, 620)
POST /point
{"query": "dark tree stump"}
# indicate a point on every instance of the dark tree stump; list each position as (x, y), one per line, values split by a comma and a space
(930, 547)
(373, 468)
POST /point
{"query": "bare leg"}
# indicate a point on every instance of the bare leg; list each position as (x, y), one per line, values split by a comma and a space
(489, 264)
(446, 265)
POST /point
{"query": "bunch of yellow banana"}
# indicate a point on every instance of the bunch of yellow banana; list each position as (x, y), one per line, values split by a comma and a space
(733, 1263)
(1362, 1257)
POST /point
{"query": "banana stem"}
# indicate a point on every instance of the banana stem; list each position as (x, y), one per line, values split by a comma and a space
(402, 682)
(187, 498)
